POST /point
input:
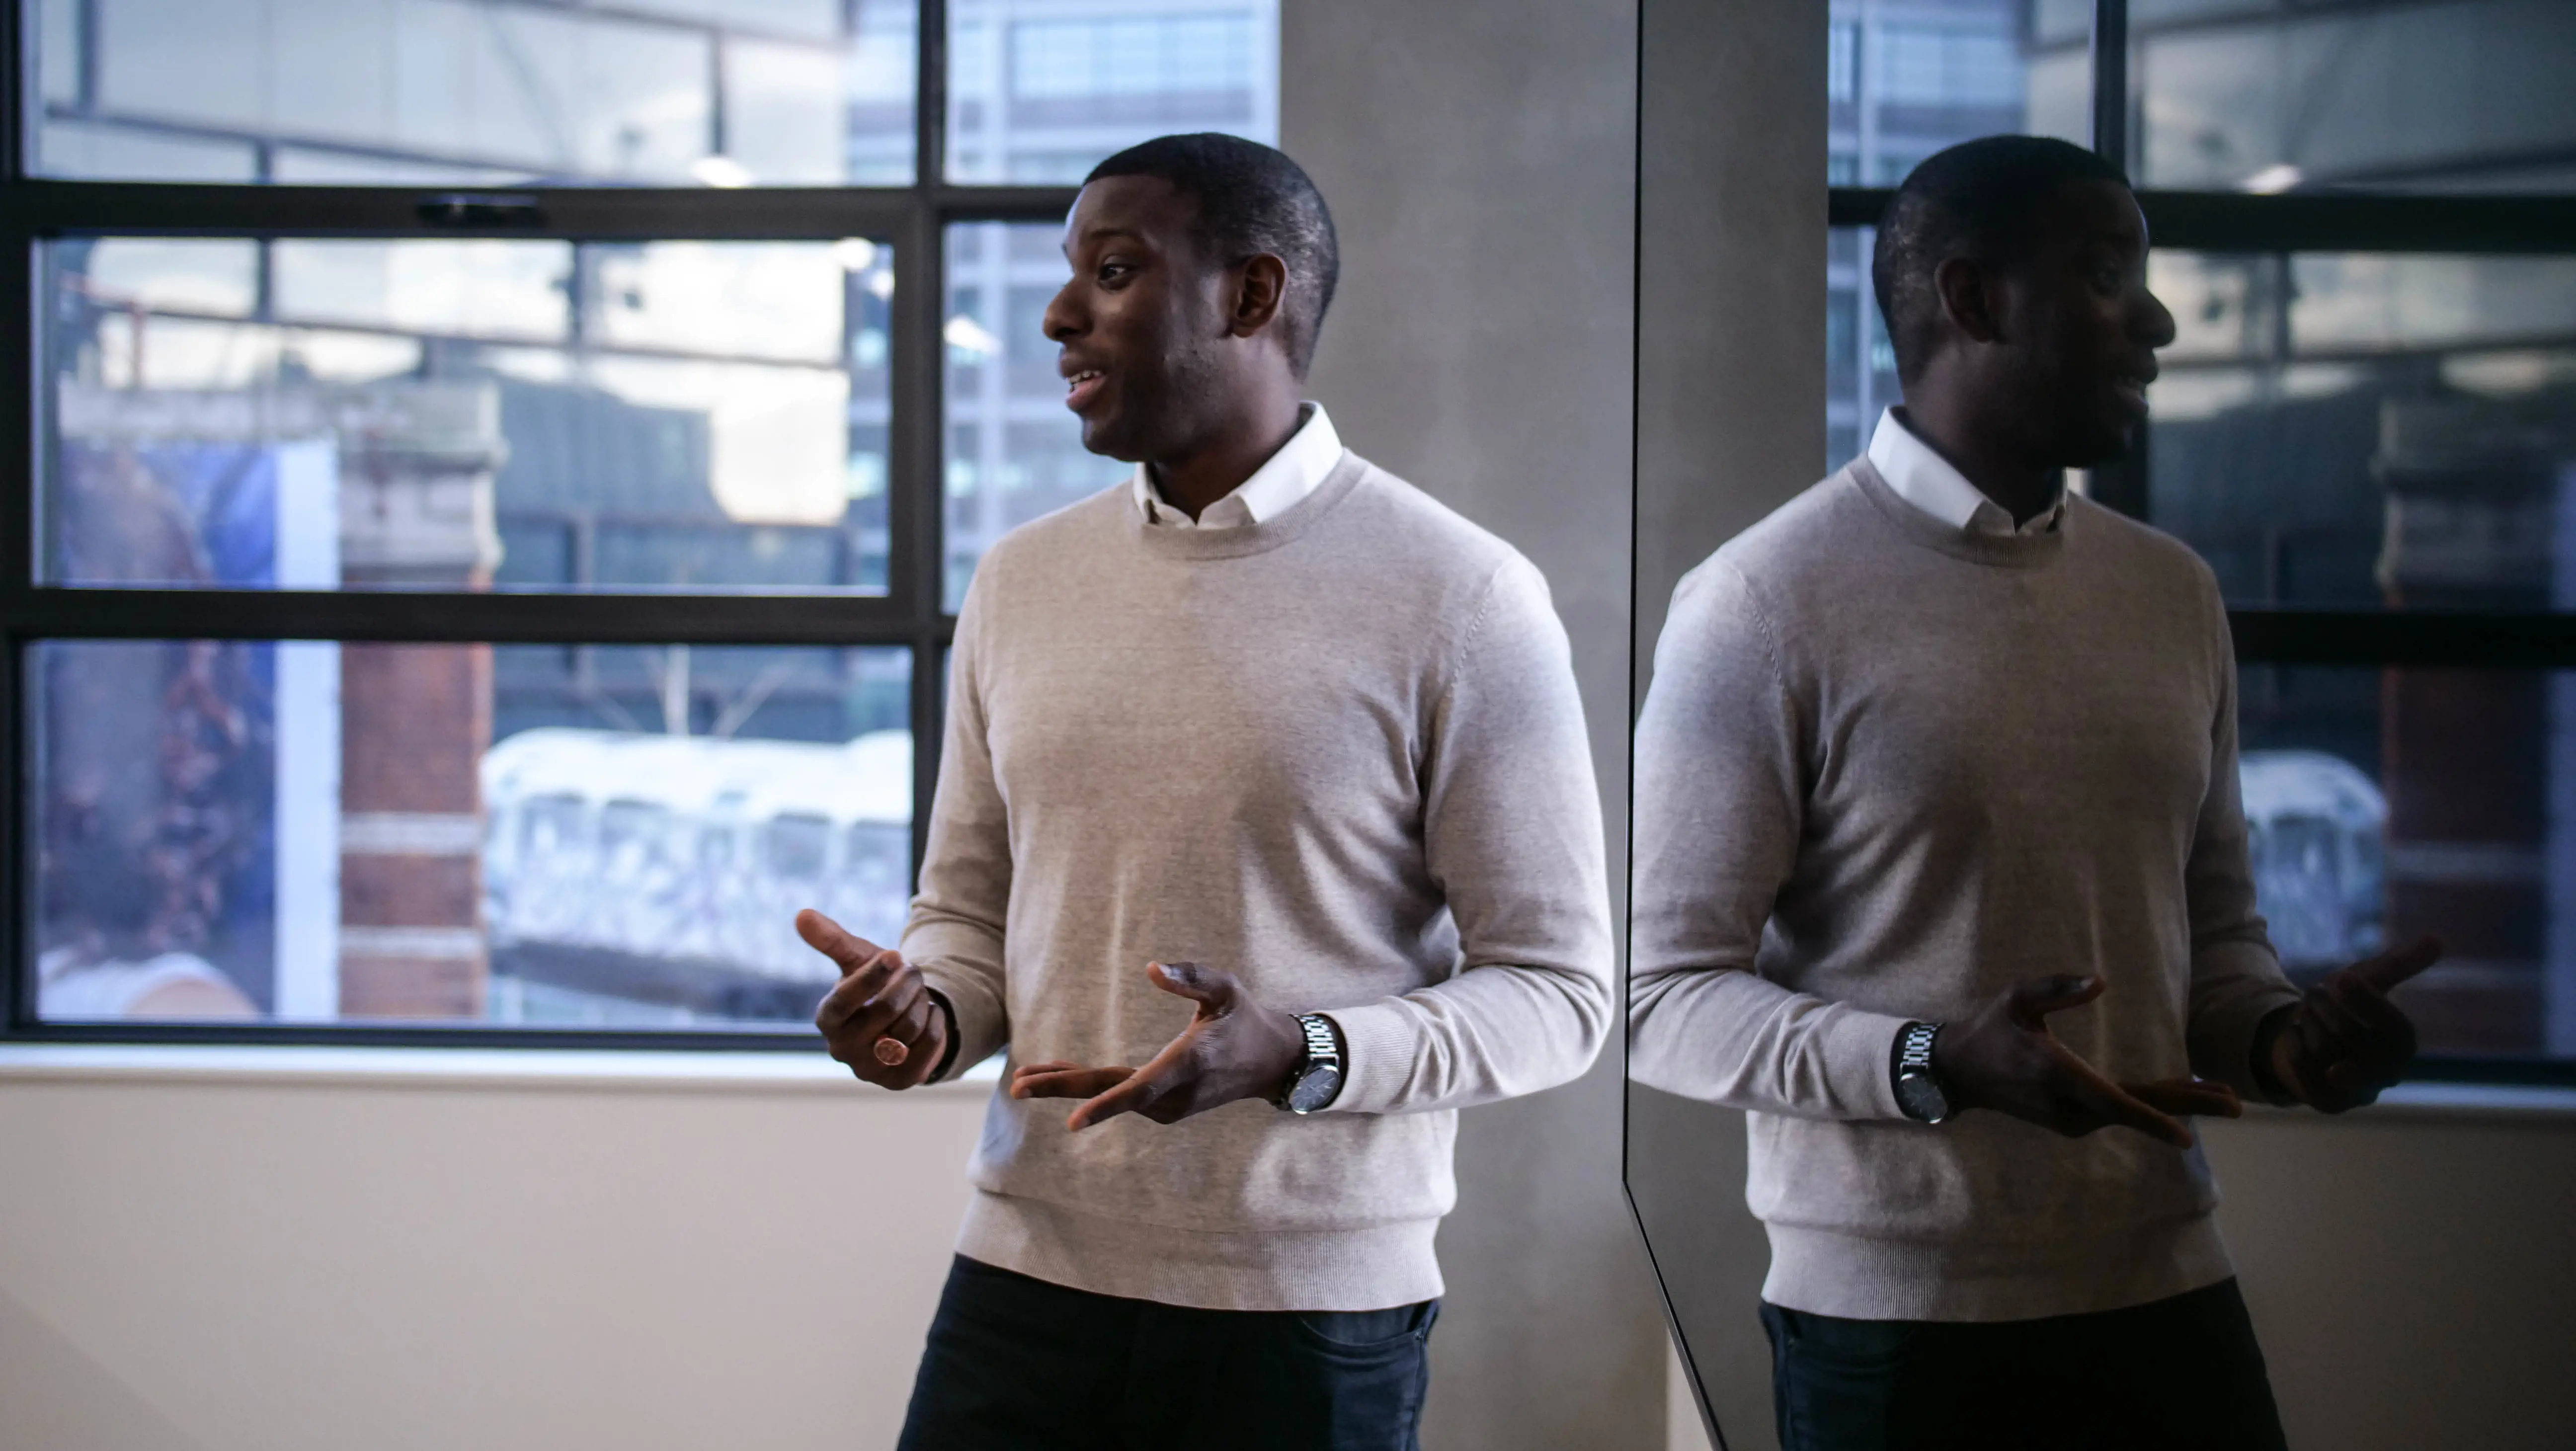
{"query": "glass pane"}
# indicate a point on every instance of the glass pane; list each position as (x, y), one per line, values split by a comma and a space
(529, 415)
(1014, 450)
(537, 835)
(2437, 95)
(2371, 431)
(430, 92)
(1860, 363)
(1904, 82)
(2385, 804)
(1041, 90)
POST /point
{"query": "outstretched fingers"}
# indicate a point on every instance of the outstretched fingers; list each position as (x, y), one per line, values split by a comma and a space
(1141, 1089)
(2187, 1098)
(858, 991)
(1065, 1080)
(2108, 1105)
(2398, 964)
(1211, 988)
(2035, 998)
(908, 1003)
(848, 950)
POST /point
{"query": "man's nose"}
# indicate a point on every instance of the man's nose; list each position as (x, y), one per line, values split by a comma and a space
(1063, 319)
(2157, 320)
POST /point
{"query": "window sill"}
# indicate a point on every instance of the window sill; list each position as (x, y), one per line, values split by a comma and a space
(498, 1068)
(2511, 1102)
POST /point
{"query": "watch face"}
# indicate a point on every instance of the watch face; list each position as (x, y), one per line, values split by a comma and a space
(1315, 1087)
(1920, 1095)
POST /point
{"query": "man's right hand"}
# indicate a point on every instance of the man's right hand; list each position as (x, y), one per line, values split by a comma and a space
(2004, 1058)
(880, 1018)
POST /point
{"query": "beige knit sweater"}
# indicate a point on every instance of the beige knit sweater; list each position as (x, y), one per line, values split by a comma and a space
(1888, 768)
(1338, 753)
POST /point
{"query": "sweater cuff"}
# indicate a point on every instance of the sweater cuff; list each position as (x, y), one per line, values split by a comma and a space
(2258, 1059)
(2224, 1024)
(1860, 1062)
(948, 1028)
(980, 1028)
(1380, 1044)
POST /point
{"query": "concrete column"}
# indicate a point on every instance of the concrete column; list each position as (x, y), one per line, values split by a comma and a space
(1479, 162)
(1730, 425)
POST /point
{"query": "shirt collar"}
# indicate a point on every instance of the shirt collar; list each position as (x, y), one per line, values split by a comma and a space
(1918, 474)
(1296, 470)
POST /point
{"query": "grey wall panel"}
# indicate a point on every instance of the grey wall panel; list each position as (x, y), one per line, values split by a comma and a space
(1480, 166)
(1730, 425)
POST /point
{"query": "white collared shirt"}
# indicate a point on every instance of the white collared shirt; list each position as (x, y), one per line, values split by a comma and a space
(1918, 474)
(1296, 470)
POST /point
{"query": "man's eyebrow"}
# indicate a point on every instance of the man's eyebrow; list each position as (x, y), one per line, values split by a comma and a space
(1096, 233)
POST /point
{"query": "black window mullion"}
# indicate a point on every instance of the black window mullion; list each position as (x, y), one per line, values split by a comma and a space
(920, 443)
(386, 1034)
(919, 451)
(2215, 221)
(28, 384)
(2111, 80)
(2531, 640)
(2121, 483)
(399, 615)
(18, 375)
(1005, 203)
(45, 206)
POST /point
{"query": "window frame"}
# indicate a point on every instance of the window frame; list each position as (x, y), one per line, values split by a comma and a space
(2290, 222)
(914, 218)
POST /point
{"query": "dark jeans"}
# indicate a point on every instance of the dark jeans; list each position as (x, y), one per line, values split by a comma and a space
(2175, 1373)
(1017, 1364)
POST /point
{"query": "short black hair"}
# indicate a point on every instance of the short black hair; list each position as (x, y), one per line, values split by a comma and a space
(1979, 200)
(1252, 199)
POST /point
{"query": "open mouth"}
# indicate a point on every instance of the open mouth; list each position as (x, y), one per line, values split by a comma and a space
(2132, 394)
(1080, 388)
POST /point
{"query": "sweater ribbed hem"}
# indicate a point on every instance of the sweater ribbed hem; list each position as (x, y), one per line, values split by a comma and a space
(1371, 1267)
(1827, 1272)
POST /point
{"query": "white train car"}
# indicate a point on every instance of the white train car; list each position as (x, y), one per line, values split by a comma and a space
(668, 870)
(2317, 831)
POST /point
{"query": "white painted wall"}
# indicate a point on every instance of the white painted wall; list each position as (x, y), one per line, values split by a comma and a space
(229, 1262)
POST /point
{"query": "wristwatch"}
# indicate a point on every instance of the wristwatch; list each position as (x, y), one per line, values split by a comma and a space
(1317, 1078)
(1918, 1088)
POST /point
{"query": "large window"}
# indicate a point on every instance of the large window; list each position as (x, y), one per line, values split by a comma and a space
(2367, 427)
(498, 480)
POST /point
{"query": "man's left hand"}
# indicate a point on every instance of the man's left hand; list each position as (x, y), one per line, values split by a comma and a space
(2344, 1041)
(1233, 1048)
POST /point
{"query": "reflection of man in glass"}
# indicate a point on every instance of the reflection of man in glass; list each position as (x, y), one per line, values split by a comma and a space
(1937, 812)
(1277, 724)
(155, 779)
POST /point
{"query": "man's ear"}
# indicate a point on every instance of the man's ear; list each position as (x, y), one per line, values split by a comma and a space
(1969, 299)
(1261, 284)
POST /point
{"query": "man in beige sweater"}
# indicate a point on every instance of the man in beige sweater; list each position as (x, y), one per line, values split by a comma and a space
(1941, 871)
(1266, 838)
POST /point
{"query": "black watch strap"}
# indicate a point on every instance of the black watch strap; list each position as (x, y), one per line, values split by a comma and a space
(1317, 1079)
(1920, 1093)
(1913, 1049)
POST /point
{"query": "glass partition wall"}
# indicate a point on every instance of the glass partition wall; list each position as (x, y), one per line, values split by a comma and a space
(2363, 224)
(497, 476)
